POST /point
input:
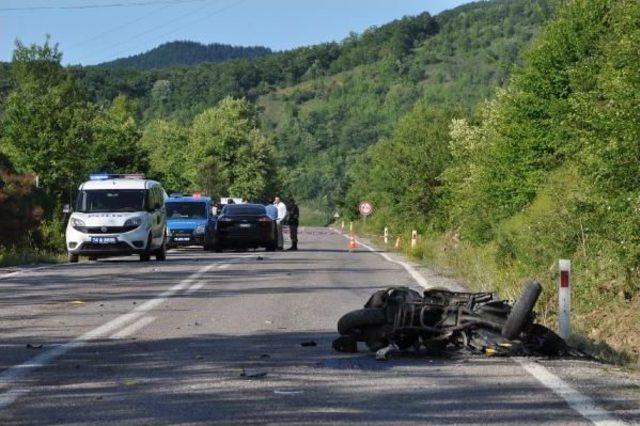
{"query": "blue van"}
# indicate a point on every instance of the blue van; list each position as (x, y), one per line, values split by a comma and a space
(190, 220)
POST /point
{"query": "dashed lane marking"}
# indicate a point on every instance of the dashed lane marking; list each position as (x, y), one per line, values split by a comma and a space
(132, 328)
(10, 378)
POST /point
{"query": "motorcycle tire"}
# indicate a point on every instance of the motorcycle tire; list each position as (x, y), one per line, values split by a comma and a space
(357, 320)
(520, 315)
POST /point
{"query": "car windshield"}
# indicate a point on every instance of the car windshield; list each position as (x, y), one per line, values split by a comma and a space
(111, 200)
(186, 210)
(244, 210)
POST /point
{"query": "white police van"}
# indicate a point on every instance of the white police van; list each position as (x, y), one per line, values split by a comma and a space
(118, 215)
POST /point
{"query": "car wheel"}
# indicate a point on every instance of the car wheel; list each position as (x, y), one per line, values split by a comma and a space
(521, 314)
(73, 258)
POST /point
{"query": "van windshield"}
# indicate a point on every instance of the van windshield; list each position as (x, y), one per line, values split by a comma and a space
(187, 210)
(111, 200)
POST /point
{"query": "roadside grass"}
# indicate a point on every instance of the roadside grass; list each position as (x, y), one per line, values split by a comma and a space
(605, 323)
(28, 256)
(313, 215)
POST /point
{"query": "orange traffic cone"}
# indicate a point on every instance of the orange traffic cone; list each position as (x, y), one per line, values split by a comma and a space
(352, 242)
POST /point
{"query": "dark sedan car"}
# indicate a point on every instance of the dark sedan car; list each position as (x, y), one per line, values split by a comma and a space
(244, 226)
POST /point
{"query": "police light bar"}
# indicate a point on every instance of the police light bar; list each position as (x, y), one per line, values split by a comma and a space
(98, 176)
(197, 195)
(105, 176)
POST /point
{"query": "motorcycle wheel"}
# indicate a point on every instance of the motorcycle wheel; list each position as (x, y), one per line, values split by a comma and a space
(361, 318)
(520, 315)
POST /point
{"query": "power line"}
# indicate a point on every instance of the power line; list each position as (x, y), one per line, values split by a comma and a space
(118, 27)
(154, 29)
(98, 6)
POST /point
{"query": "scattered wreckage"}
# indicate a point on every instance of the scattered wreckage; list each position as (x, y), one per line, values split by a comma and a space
(399, 318)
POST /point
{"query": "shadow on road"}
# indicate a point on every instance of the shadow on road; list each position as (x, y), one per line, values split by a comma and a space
(198, 380)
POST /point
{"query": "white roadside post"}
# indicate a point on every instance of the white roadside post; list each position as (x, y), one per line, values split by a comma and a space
(386, 235)
(351, 227)
(564, 299)
(414, 239)
(342, 227)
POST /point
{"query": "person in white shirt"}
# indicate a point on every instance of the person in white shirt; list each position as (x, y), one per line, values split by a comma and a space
(282, 214)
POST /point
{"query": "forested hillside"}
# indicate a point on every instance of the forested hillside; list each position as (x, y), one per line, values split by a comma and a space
(186, 53)
(547, 169)
(324, 104)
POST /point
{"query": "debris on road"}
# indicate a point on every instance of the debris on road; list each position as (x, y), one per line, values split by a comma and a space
(265, 356)
(385, 353)
(398, 318)
(32, 346)
(308, 343)
(254, 373)
(259, 258)
(76, 302)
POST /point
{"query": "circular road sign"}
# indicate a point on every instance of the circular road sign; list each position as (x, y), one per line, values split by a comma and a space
(365, 208)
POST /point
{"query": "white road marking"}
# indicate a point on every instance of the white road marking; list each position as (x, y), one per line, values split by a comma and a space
(579, 402)
(194, 288)
(410, 269)
(132, 328)
(10, 376)
(37, 268)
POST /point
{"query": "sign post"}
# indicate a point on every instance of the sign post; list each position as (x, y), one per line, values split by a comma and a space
(564, 299)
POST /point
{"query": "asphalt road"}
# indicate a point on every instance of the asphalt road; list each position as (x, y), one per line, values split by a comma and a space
(119, 341)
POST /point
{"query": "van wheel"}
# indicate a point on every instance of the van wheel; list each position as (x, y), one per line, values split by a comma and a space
(73, 258)
(146, 255)
(161, 253)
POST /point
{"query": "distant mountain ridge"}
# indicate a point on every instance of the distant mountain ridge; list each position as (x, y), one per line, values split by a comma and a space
(178, 53)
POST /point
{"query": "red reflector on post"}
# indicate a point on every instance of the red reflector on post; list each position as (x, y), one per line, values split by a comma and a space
(564, 278)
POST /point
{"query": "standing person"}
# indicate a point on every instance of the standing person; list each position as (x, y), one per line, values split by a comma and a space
(294, 216)
(282, 214)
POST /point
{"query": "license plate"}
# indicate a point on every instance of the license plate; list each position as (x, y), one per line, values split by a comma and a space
(181, 239)
(104, 240)
(245, 225)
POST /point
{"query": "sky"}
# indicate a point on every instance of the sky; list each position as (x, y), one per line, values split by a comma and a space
(95, 31)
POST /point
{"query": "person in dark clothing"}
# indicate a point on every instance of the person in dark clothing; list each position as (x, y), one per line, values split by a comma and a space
(293, 221)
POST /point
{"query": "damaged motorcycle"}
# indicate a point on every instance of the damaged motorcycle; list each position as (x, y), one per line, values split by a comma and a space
(399, 318)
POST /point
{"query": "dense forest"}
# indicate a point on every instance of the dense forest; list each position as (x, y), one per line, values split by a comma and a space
(324, 104)
(505, 132)
(186, 53)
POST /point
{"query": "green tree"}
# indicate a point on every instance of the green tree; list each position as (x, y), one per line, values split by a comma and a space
(228, 154)
(46, 122)
(166, 144)
(116, 133)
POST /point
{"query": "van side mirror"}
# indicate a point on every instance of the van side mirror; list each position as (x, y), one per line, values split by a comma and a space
(66, 209)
